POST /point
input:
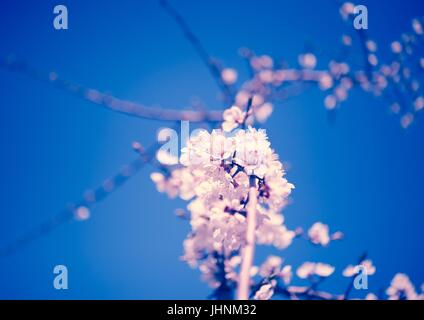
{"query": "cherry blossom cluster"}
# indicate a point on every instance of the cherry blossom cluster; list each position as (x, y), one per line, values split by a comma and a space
(216, 173)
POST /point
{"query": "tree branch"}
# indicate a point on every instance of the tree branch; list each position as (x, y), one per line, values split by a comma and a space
(249, 249)
(108, 101)
(88, 200)
(214, 68)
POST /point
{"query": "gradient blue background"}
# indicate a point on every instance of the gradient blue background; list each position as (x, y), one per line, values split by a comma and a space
(362, 175)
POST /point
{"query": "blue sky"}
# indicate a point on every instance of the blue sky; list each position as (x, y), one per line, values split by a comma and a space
(362, 174)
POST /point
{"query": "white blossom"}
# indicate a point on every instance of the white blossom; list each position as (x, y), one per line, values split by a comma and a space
(233, 117)
(319, 234)
(371, 296)
(286, 274)
(307, 60)
(401, 288)
(272, 231)
(229, 75)
(263, 112)
(271, 266)
(265, 292)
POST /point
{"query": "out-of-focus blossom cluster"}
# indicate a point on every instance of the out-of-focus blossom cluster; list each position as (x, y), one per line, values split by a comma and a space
(276, 278)
(396, 80)
(311, 269)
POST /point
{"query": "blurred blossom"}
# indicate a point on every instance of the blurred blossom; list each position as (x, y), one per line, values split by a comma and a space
(347, 9)
(340, 93)
(325, 81)
(339, 68)
(179, 183)
(406, 120)
(419, 103)
(254, 271)
(319, 234)
(307, 60)
(381, 82)
(286, 274)
(229, 76)
(346, 40)
(346, 83)
(271, 266)
(263, 112)
(242, 98)
(330, 102)
(372, 59)
(257, 100)
(262, 62)
(266, 76)
(415, 85)
(351, 270)
(264, 293)
(310, 269)
(338, 235)
(371, 296)
(417, 26)
(82, 213)
(371, 46)
(401, 288)
(233, 117)
(396, 47)
(272, 232)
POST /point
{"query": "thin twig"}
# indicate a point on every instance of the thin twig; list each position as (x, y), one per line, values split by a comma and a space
(214, 68)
